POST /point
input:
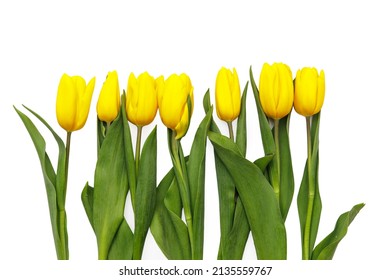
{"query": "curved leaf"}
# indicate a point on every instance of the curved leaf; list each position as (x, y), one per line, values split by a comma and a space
(50, 179)
(327, 247)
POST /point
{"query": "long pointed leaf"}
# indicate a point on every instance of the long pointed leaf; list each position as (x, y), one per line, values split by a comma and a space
(111, 187)
(196, 178)
(286, 168)
(128, 152)
(327, 247)
(265, 130)
(241, 123)
(145, 193)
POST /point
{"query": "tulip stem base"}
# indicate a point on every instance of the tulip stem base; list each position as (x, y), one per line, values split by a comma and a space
(63, 253)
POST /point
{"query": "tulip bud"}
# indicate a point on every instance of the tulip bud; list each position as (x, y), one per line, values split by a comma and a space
(309, 91)
(73, 102)
(227, 95)
(276, 90)
(176, 102)
(141, 99)
(109, 99)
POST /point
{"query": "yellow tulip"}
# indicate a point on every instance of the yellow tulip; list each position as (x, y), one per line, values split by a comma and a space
(175, 111)
(227, 95)
(309, 91)
(141, 99)
(109, 99)
(73, 102)
(276, 90)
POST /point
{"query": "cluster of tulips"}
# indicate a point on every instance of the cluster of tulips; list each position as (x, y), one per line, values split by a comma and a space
(253, 196)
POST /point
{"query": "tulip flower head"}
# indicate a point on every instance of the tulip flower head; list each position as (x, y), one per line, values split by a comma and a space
(309, 91)
(73, 102)
(141, 99)
(109, 99)
(227, 95)
(276, 90)
(175, 100)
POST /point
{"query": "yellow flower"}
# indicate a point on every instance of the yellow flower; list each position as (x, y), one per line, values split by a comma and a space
(227, 94)
(173, 96)
(109, 99)
(309, 91)
(73, 102)
(141, 99)
(276, 90)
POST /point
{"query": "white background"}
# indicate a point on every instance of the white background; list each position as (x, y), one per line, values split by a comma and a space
(41, 40)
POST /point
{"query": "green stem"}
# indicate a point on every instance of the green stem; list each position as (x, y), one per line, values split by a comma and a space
(63, 252)
(277, 158)
(231, 134)
(181, 176)
(138, 150)
(310, 204)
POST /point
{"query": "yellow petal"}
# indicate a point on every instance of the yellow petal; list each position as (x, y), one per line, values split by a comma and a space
(309, 91)
(108, 102)
(182, 127)
(173, 99)
(266, 90)
(84, 101)
(66, 103)
(147, 100)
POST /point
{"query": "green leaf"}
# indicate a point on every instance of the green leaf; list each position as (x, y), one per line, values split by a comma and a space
(286, 168)
(111, 187)
(122, 244)
(327, 247)
(241, 123)
(196, 178)
(263, 162)
(87, 200)
(303, 194)
(237, 238)
(100, 129)
(129, 152)
(50, 179)
(227, 205)
(145, 193)
(168, 230)
(226, 188)
(258, 199)
(265, 130)
(207, 106)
